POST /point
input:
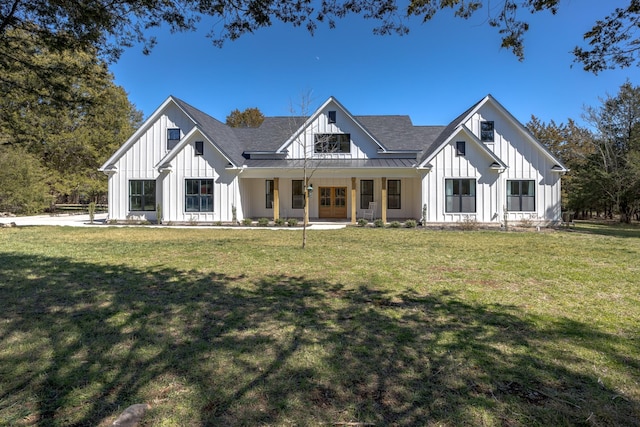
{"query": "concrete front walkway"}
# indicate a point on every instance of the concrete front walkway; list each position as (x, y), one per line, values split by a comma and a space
(100, 219)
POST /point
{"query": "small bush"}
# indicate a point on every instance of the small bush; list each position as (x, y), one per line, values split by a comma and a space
(217, 223)
(395, 224)
(280, 222)
(410, 223)
(263, 222)
(92, 211)
(292, 222)
(247, 222)
(469, 224)
(378, 223)
(362, 222)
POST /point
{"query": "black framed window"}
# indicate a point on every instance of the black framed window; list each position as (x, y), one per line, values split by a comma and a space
(460, 195)
(199, 149)
(393, 194)
(521, 196)
(268, 191)
(198, 195)
(297, 194)
(332, 143)
(461, 148)
(366, 193)
(142, 195)
(332, 116)
(486, 131)
(173, 137)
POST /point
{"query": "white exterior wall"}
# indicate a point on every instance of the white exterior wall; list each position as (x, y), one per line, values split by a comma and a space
(364, 149)
(473, 165)
(144, 154)
(525, 161)
(187, 165)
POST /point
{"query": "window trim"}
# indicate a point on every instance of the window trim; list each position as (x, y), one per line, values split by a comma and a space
(461, 148)
(296, 198)
(484, 136)
(172, 142)
(269, 188)
(200, 196)
(143, 195)
(365, 198)
(335, 143)
(519, 196)
(458, 198)
(398, 194)
(199, 148)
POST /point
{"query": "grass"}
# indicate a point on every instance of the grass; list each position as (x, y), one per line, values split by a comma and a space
(372, 326)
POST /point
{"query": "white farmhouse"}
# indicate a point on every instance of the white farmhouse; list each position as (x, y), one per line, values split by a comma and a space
(189, 167)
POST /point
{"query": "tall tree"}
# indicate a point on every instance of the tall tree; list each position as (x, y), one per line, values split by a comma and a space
(70, 139)
(249, 118)
(23, 188)
(573, 145)
(617, 148)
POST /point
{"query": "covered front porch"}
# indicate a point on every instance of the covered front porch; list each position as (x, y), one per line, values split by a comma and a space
(332, 198)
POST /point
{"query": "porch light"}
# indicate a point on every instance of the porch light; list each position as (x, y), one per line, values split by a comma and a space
(310, 190)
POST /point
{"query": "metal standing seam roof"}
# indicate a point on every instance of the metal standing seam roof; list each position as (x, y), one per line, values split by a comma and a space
(332, 163)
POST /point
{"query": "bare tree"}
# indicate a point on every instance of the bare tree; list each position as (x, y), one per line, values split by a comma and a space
(320, 143)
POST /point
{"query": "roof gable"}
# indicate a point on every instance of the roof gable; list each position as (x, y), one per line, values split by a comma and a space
(154, 117)
(497, 163)
(216, 132)
(313, 117)
(165, 163)
(463, 118)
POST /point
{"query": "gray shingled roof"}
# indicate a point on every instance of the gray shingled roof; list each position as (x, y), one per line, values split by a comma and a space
(394, 132)
(446, 132)
(221, 135)
(272, 133)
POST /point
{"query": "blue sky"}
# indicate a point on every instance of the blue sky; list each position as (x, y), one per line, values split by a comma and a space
(432, 74)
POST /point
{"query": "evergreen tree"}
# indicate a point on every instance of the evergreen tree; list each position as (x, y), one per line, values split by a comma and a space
(71, 139)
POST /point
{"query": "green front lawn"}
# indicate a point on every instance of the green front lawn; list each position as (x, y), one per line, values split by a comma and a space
(364, 327)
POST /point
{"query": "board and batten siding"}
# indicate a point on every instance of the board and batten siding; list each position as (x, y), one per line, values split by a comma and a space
(473, 165)
(362, 146)
(525, 161)
(211, 165)
(139, 160)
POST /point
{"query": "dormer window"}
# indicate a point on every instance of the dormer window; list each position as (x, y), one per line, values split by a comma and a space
(173, 137)
(486, 131)
(332, 116)
(332, 143)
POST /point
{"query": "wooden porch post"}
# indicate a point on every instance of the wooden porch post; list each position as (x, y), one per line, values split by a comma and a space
(353, 201)
(276, 198)
(383, 202)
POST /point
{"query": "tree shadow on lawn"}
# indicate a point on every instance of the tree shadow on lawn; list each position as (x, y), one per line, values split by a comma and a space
(80, 342)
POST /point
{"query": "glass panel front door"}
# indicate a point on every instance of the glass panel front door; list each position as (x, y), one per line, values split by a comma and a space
(333, 202)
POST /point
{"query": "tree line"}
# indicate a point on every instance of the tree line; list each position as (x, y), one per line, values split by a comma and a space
(56, 131)
(603, 157)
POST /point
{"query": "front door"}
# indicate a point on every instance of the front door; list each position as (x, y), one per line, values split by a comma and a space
(333, 202)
